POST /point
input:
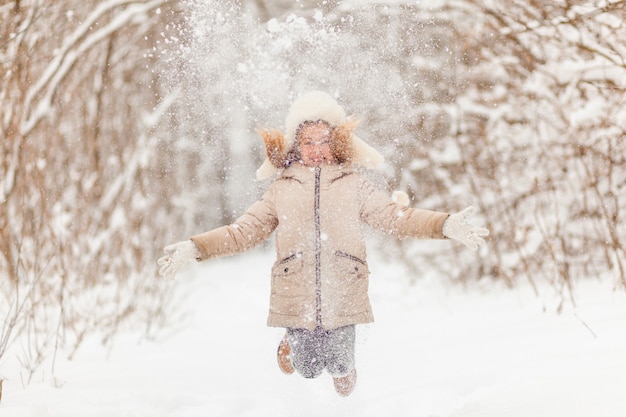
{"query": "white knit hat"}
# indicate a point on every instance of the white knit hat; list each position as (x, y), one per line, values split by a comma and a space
(313, 106)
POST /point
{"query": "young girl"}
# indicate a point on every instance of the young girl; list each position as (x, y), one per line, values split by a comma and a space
(317, 206)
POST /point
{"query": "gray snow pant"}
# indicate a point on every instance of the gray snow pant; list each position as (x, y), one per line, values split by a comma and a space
(312, 351)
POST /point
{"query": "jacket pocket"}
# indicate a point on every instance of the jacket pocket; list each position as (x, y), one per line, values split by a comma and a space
(288, 266)
(288, 284)
(352, 265)
(349, 286)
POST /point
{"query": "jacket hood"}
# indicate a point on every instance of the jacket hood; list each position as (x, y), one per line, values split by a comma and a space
(314, 106)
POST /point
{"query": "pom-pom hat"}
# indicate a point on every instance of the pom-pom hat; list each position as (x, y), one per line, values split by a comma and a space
(314, 106)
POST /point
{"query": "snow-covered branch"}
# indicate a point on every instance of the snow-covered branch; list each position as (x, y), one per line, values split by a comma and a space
(39, 98)
(74, 190)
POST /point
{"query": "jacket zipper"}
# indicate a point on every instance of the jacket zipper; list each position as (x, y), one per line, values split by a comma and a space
(318, 249)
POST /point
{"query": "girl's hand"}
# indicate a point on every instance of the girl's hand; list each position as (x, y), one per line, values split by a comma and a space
(176, 257)
(456, 227)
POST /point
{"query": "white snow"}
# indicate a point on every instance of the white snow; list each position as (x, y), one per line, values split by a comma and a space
(434, 350)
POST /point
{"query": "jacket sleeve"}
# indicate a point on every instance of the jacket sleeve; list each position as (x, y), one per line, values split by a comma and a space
(256, 225)
(380, 212)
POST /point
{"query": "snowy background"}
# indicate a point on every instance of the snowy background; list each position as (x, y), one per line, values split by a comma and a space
(434, 351)
(133, 126)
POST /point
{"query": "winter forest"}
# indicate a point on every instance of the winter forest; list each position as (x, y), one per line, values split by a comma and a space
(126, 125)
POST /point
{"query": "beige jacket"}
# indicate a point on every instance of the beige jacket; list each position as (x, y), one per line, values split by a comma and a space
(320, 276)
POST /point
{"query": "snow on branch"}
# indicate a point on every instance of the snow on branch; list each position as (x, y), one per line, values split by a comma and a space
(74, 47)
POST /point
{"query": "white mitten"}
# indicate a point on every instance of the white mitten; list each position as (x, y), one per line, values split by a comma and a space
(176, 257)
(457, 227)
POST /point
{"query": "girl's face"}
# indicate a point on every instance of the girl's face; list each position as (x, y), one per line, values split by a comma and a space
(314, 140)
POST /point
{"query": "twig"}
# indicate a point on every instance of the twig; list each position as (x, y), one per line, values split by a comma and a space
(595, 336)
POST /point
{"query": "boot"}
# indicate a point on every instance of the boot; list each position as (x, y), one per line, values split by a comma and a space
(284, 357)
(345, 385)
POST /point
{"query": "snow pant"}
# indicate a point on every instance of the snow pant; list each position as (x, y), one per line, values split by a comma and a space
(312, 351)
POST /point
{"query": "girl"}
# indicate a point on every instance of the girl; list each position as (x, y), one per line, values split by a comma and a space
(317, 206)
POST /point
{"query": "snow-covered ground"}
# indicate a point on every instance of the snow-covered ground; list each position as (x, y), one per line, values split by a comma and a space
(433, 351)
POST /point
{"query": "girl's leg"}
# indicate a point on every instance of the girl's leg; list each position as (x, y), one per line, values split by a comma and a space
(307, 351)
(340, 350)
